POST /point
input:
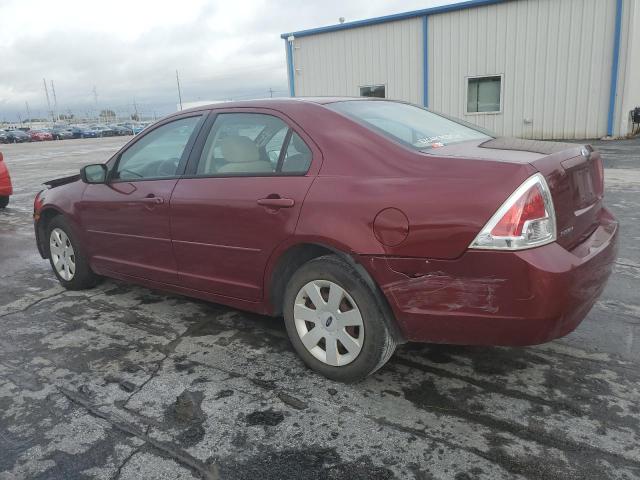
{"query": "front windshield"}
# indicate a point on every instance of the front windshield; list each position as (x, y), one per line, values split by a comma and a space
(408, 124)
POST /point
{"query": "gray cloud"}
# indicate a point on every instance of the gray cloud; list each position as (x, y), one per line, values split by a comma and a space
(221, 53)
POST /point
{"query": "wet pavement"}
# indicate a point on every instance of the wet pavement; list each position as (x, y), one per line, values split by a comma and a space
(124, 382)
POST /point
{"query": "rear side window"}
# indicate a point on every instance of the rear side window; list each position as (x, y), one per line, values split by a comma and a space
(252, 144)
(237, 145)
(408, 124)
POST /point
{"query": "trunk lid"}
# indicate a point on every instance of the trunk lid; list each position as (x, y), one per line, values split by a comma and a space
(575, 177)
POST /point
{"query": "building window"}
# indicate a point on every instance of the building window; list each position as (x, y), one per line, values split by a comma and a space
(372, 91)
(483, 94)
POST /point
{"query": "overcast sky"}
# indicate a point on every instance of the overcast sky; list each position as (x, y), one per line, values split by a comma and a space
(130, 49)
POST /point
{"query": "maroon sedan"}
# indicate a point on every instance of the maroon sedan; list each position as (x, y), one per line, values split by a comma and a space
(365, 223)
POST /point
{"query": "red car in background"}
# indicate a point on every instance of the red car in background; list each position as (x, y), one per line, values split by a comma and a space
(6, 189)
(39, 135)
(365, 223)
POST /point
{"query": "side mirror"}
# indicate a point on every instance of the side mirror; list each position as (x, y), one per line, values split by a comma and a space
(96, 173)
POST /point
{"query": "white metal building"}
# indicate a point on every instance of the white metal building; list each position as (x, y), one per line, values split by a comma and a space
(550, 69)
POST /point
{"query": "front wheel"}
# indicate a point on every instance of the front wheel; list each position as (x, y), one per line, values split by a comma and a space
(336, 322)
(67, 258)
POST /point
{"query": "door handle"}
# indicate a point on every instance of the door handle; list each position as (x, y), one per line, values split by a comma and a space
(153, 200)
(276, 202)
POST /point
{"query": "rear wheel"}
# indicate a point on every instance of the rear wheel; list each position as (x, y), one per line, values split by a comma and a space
(4, 201)
(335, 321)
(67, 258)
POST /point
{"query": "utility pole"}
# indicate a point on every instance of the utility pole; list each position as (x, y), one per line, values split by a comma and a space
(270, 92)
(179, 92)
(46, 92)
(135, 110)
(95, 99)
(26, 104)
(55, 101)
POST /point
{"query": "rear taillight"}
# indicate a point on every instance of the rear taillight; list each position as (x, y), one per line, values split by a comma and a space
(525, 220)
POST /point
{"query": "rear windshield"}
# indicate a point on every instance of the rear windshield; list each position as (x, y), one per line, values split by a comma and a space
(408, 124)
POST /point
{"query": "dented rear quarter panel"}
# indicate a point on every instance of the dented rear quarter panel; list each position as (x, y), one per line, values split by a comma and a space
(498, 298)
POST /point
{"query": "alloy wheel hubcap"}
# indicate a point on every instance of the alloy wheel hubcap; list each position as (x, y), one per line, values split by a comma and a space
(62, 254)
(328, 322)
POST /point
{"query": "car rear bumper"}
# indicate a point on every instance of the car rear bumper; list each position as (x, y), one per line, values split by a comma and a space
(498, 298)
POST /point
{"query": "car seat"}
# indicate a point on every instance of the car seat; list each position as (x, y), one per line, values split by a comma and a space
(242, 156)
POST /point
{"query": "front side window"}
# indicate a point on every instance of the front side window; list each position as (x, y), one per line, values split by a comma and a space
(408, 124)
(483, 94)
(157, 154)
(247, 144)
(377, 91)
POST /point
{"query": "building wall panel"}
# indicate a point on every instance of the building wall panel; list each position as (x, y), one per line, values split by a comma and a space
(555, 58)
(337, 63)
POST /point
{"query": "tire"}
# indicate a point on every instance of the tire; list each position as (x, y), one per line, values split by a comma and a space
(4, 201)
(371, 343)
(79, 278)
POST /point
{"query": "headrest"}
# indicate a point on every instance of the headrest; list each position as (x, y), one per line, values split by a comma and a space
(236, 149)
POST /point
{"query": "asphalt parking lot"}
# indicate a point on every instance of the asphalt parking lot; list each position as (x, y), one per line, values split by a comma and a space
(125, 382)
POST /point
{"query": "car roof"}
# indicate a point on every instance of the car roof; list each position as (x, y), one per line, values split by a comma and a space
(282, 102)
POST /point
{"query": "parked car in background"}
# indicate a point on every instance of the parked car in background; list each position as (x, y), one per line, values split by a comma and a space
(76, 132)
(17, 136)
(6, 189)
(61, 133)
(119, 130)
(4, 137)
(103, 131)
(365, 223)
(86, 132)
(135, 128)
(39, 135)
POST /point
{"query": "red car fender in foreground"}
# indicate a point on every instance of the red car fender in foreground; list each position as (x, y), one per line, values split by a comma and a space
(6, 189)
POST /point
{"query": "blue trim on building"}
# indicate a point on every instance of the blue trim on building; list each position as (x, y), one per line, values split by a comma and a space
(394, 17)
(614, 69)
(290, 71)
(425, 61)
